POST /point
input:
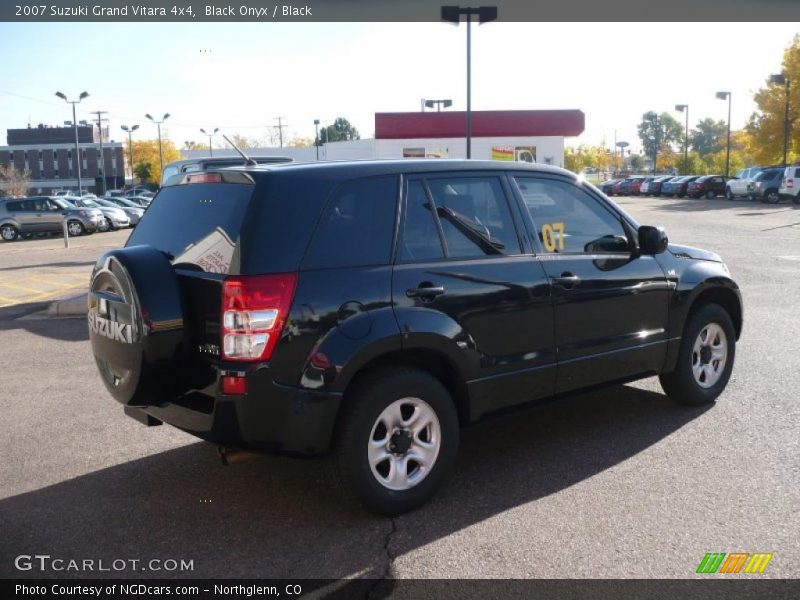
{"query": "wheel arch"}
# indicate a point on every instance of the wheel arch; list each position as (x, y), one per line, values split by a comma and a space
(726, 297)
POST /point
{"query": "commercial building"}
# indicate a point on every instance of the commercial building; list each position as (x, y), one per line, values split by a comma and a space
(523, 135)
(47, 154)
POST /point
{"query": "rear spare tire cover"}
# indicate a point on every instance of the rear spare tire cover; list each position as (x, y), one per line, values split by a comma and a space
(136, 325)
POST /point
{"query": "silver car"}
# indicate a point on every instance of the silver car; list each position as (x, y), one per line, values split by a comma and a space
(23, 217)
(115, 217)
(134, 211)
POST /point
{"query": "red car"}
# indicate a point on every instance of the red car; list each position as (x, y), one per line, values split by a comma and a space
(709, 186)
(635, 186)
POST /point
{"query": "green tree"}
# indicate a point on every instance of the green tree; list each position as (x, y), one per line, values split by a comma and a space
(146, 152)
(667, 133)
(636, 162)
(766, 125)
(693, 166)
(708, 136)
(341, 130)
(577, 159)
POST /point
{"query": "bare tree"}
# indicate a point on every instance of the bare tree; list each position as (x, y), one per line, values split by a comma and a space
(13, 181)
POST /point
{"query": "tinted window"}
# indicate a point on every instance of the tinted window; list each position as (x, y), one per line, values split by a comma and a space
(419, 238)
(196, 224)
(568, 220)
(14, 206)
(474, 216)
(357, 227)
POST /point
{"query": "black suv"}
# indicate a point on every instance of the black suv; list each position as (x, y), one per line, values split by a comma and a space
(372, 308)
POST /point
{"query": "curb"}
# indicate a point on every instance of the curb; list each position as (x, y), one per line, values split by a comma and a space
(68, 307)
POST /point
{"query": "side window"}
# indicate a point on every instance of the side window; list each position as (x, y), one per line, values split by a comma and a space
(14, 206)
(568, 220)
(419, 237)
(475, 217)
(357, 227)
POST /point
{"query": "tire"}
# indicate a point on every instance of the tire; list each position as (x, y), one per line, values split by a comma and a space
(772, 197)
(8, 233)
(728, 194)
(699, 377)
(796, 199)
(75, 228)
(105, 225)
(710, 194)
(368, 417)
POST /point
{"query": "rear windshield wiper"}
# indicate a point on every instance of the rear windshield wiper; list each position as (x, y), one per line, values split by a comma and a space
(472, 230)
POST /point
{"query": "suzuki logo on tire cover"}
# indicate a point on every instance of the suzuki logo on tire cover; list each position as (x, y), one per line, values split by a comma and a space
(113, 330)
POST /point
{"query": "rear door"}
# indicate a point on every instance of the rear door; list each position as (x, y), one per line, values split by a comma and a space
(610, 305)
(465, 283)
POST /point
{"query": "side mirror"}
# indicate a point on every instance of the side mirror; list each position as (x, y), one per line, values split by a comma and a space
(652, 240)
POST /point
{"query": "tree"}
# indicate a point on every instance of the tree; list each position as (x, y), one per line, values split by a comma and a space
(14, 181)
(668, 133)
(341, 130)
(577, 159)
(298, 142)
(708, 136)
(243, 142)
(636, 162)
(195, 145)
(145, 152)
(766, 125)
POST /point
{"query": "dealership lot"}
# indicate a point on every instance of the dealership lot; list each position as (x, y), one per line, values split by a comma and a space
(613, 483)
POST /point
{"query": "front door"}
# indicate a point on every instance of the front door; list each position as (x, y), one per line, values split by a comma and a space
(463, 283)
(610, 303)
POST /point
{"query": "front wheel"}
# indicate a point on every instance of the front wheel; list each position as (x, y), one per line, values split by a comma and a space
(773, 197)
(705, 358)
(397, 440)
(728, 194)
(9, 233)
(75, 228)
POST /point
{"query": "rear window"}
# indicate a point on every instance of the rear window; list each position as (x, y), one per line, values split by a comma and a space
(196, 225)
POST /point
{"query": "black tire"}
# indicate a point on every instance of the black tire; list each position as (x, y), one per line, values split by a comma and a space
(9, 233)
(349, 469)
(680, 385)
(710, 194)
(772, 197)
(728, 194)
(75, 228)
(796, 199)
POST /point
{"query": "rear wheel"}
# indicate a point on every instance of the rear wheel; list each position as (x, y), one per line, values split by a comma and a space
(772, 197)
(9, 233)
(705, 358)
(710, 194)
(397, 441)
(728, 194)
(75, 228)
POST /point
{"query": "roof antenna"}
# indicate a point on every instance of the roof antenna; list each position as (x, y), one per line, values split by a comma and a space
(247, 160)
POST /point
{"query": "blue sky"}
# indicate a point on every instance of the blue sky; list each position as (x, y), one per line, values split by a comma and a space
(241, 77)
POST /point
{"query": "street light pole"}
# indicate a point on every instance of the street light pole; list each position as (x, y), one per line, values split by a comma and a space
(77, 159)
(316, 136)
(160, 149)
(685, 108)
(782, 79)
(453, 14)
(724, 96)
(130, 131)
(210, 135)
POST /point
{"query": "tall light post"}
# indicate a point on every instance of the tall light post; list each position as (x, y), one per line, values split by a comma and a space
(160, 150)
(438, 104)
(684, 108)
(77, 160)
(727, 96)
(453, 14)
(316, 136)
(210, 135)
(781, 79)
(654, 119)
(130, 131)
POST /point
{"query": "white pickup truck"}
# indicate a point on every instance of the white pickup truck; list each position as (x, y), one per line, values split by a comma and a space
(737, 186)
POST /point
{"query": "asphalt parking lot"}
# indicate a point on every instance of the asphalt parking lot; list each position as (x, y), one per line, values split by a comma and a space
(618, 483)
(42, 269)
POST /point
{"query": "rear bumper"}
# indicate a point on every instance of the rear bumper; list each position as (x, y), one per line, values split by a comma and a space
(286, 419)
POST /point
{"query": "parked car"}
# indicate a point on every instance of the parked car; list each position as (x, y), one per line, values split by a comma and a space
(739, 185)
(193, 165)
(790, 186)
(45, 214)
(645, 186)
(140, 191)
(634, 187)
(669, 187)
(142, 201)
(115, 217)
(133, 211)
(709, 186)
(607, 186)
(372, 325)
(655, 186)
(765, 186)
(621, 187)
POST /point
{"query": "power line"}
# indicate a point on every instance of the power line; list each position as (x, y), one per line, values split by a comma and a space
(280, 127)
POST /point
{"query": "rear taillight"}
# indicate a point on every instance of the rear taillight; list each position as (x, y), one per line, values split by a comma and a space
(254, 311)
(790, 183)
(204, 178)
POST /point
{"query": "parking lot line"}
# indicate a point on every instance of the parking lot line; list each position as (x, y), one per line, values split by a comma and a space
(21, 288)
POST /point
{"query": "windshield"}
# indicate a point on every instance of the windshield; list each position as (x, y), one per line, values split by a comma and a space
(196, 225)
(62, 203)
(125, 202)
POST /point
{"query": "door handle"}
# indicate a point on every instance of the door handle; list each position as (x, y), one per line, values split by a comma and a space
(425, 291)
(567, 280)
